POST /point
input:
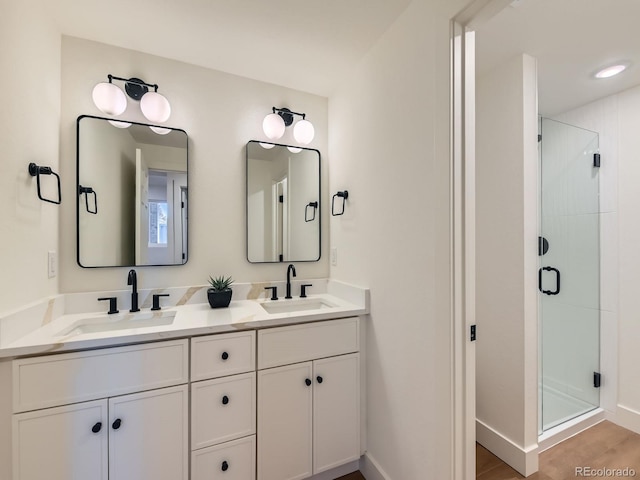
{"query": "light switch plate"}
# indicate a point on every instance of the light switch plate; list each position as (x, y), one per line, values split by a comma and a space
(334, 257)
(52, 264)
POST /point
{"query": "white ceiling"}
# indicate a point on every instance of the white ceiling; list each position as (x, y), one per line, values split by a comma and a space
(302, 44)
(571, 39)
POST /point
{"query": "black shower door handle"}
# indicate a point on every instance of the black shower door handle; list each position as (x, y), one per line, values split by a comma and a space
(549, 269)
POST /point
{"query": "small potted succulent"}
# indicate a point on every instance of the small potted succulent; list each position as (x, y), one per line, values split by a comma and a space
(219, 294)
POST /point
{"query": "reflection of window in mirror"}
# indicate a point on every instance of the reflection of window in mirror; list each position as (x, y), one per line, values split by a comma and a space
(158, 214)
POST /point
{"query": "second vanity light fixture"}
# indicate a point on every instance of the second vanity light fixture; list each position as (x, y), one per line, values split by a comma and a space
(110, 99)
(275, 123)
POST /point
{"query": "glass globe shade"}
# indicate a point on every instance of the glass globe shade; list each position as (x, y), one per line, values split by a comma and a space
(267, 146)
(160, 130)
(273, 126)
(119, 124)
(294, 149)
(155, 107)
(109, 98)
(303, 132)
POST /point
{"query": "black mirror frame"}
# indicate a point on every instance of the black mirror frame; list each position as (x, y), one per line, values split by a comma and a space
(246, 200)
(77, 186)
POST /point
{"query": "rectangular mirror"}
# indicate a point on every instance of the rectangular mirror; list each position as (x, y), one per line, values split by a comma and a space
(283, 203)
(132, 206)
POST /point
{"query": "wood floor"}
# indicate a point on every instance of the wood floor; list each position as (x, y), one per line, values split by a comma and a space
(603, 446)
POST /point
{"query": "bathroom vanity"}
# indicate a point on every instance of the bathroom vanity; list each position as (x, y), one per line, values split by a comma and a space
(237, 393)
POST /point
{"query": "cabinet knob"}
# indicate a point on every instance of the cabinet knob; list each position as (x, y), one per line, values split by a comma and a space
(97, 427)
(319, 379)
(225, 400)
(225, 466)
(307, 382)
(225, 355)
(116, 424)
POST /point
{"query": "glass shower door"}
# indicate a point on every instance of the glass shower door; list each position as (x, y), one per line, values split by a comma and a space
(569, 275)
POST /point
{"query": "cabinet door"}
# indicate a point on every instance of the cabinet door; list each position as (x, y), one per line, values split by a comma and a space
(284, 422)
(64, 443)
(148, 435)
(336, 411)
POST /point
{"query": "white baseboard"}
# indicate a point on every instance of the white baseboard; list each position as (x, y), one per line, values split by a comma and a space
(570, 428)
(371, 469)
(340, 471)
(525, 461)
(627, 418)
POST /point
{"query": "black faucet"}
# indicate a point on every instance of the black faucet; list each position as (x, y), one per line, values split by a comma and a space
(132, 280)
(290, 269)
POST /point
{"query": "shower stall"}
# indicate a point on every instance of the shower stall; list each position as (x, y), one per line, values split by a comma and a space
(569, 273)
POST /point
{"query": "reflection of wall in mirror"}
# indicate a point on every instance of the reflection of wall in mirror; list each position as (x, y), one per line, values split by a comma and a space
(110, 171)
(261, 208)
(303, 178)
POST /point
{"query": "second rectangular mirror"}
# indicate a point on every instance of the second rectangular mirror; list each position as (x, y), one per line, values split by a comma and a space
(283, 203)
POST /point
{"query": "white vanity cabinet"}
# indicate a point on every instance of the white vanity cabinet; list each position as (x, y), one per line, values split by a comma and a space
(116, 413)
(308, 399)
(223, 406)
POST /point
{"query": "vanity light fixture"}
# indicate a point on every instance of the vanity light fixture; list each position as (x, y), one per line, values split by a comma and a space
(276, 122)
(611, 70)
(110, 98)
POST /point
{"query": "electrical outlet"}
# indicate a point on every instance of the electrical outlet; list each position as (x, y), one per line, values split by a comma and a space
(334, 256)
(52, 264)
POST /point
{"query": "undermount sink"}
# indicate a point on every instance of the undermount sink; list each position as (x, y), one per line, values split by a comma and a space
(297, 305)
(121, 321)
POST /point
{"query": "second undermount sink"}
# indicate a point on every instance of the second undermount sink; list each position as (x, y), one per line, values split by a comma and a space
(118, 321)
(296, 305)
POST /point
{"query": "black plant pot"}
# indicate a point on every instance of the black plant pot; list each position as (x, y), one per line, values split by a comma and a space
(219, 299)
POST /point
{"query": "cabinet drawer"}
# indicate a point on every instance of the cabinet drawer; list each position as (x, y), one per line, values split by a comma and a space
(300, 343)
(223, 409)
(234, 460)
(219, 355)
(53, 380)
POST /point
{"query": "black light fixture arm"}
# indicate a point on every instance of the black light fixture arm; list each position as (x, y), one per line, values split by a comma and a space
(136, 81)
(287, 115)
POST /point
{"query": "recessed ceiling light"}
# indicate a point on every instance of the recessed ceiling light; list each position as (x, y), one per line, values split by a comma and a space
(611, 71)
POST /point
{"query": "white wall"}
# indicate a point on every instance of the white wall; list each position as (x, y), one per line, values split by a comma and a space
(506, 266)
(389, 131)
(29, 121)
(220, 113)
(617, 120)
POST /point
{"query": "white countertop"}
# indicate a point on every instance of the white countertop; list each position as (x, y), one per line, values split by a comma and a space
(60, 334)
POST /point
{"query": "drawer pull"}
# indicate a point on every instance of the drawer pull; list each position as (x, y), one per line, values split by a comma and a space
(307, 382)
(319, 379)
(225, 466)
(97, 427)
(225, 400)
(116, 424)
(225, 355)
